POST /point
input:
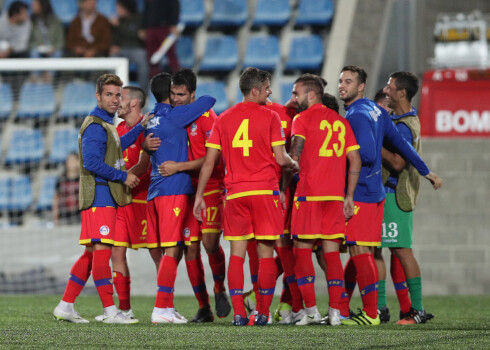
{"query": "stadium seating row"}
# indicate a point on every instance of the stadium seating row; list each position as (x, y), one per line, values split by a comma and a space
(224, 13)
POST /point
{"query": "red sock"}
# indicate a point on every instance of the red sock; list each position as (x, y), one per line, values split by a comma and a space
(253, 261)
(286, 296)
(79, 274)
(196, 277)
(368, 285)
(277, 260)
(167, 272)
(350, 285)
(102, 276)
(305, 275)
(217, 262)
(267, 284)
(288, 262)
(400, 282)
(335, 275)
(235, 284)
(123, 290)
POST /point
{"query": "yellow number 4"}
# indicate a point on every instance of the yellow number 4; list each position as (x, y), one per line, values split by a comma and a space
(241, 139)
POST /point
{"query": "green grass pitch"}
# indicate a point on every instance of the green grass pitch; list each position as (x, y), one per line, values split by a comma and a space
(26, 322)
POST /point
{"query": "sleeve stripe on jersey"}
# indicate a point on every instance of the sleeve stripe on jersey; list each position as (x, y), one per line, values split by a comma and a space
(352, 148)
(252, 193)
(298, 135)
(318, 198)
(212, 192)
(278, 143)
(212, 145)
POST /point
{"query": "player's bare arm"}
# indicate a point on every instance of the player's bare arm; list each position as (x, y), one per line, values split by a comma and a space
(170, 167)
(212, 156)
(392, 160)
(142, 166)
(297, 145)
(434, 179)
(353, 172)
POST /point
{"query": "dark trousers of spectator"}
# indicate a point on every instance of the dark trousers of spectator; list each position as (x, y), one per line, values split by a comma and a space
(153, 40)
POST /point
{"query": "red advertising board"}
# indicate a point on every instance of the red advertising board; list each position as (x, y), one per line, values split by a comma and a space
(456, 103)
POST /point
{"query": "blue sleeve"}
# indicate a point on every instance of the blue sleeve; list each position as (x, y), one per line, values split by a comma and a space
(405, 148)
(130, 137)
(94, 145)
(365, 138)
(184, 115)
(405, 132)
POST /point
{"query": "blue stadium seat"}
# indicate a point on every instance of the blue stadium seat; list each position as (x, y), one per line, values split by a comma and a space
(26, 146)
(64, 142)
(141, 5)
(272, 12)
(217, 90)
(262, 52)
(20, 197)
(78, 100)
(185, 52)
(315, 12)
(192, 12)
(6, 103)
(65, 10)
(232, 13)
(286, 90)
(6, 4)
(220, 54)
(5, 185)
(36, 101)
(46, 195)
(107, 8)
(306, 53)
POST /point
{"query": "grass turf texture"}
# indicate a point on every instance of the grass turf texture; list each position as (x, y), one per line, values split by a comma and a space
(27, 322)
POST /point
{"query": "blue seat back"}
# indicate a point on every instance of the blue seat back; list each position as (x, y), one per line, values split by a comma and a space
(229, 13)
(20, 197)
(6, 102)
(64, 142)
(78, 100)
(107, 8)
(217, 90)
(26, 146)
(46, 195)
(192, 12)
(306, 53)
(37, 100)
(65, 10)
(220, 54)
(315, 12)
(262, 52)
(272, 12)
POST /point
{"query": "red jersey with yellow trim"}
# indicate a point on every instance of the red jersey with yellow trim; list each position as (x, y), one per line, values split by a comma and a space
(199, 132)
(245, 134)
(328, 139)
(131, 156)
(286, 115)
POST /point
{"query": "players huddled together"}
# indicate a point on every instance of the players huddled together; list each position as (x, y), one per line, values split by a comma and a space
(295, 180)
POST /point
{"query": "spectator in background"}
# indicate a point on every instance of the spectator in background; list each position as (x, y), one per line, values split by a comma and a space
(65, 204)
(89, 34)
(15, 28)
(160, 19)
(127, 39)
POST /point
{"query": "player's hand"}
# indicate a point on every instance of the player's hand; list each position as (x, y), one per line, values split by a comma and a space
(282, 196)
(151, 143)
(132, 180)
(199, 208)
(146, 119)
(294, 167)
(348, 207)
(168, 168)
(434, 179)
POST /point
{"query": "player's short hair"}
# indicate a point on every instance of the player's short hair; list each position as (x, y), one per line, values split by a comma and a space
(406, 81)
(252, 78)
(129, 5)
(312, 82)
(137, 93)
(380, 95)
(16, 7)
(361, 73)
(107, 79)
(185, 77)
(160, 86)
(330, 101)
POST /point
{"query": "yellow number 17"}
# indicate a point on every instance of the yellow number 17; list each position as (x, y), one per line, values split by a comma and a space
(241, 139)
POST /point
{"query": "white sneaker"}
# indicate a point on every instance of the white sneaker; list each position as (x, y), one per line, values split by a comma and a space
(178, 317)
(73, 316)
(128, 313)
(333, 317)
(297, 316)
(286, 317)
(269, 320)
(119, 318)
(169, 316)
(310, 319)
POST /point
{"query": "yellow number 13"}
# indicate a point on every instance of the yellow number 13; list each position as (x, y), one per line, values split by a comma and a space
(337, 147)
(241, 139)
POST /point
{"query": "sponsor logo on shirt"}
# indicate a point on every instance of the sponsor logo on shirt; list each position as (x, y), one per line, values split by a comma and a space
(375, 113)
(119, 163)
(155, 121)
(177, 211)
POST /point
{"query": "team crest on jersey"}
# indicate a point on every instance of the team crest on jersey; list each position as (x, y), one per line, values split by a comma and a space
(208, 133)
(187, 232)
(104, 230)
(193, 129)
(155, 121)
(177, 211)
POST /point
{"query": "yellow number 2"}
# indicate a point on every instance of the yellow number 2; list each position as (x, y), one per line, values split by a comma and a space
(339, 128)
(241, 139)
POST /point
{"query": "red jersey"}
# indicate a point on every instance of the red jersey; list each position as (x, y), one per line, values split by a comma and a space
(286, 115)
(245, 134)
(328, 139)
(131, 156)
(199, 132)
